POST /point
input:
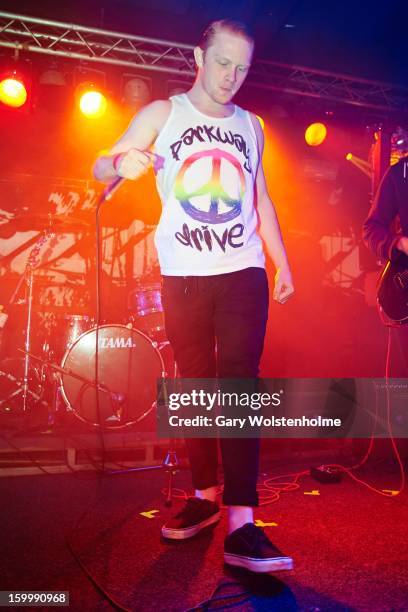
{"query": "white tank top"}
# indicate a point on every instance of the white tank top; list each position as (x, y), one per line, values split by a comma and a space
(206, 185)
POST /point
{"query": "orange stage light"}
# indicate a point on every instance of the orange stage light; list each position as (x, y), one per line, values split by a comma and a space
(13, 92)
(315, 134)
(93, 104)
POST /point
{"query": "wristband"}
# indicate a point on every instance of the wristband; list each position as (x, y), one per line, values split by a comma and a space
(115, 161)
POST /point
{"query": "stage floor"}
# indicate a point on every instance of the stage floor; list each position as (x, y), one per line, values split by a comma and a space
(348, 544)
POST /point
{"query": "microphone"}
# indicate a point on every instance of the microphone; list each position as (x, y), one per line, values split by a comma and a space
(111, 188)
(158, 164)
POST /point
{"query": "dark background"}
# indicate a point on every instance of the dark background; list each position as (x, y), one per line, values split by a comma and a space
(365, 38)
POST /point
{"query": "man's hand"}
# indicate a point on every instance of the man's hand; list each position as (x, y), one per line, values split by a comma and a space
(283, 285)
(132, 164)
(402, 244)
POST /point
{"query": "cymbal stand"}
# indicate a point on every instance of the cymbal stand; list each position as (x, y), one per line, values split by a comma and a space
(28, 278)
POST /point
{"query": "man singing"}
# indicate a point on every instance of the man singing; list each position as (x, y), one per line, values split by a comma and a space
(216, 216)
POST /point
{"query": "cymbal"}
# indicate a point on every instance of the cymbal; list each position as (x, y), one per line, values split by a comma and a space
(58, 223)
(48, 309)
(62, 310)
(49, 281)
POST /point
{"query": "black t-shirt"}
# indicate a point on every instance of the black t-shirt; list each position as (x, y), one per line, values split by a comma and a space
(390, 203)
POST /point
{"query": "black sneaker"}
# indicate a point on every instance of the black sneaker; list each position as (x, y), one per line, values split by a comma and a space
(196, 514)
(249, 547)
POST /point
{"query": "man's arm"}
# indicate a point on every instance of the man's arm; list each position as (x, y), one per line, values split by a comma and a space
(377, 233)
(129, 157)
(269, 227)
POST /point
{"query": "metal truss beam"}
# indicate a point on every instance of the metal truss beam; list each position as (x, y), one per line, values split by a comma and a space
(95, 45)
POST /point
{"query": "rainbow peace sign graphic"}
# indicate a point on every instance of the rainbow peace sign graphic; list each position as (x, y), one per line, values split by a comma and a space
(212, 203)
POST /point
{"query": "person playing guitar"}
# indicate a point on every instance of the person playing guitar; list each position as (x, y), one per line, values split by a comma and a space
(379, 234)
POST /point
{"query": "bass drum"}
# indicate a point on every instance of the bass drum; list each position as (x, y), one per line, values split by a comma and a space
(129, 366)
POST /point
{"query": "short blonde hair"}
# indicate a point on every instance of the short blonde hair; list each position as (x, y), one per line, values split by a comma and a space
(231, 25)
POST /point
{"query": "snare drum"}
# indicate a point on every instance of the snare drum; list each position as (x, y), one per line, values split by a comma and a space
(129, 366)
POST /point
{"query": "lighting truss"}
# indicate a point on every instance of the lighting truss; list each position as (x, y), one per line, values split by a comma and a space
(95, 45)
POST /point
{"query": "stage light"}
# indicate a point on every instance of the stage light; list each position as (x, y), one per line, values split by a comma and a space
(52, 76)
(136, 91)
(360, 163)
(93, 104)
(261, 121)
(13, 91)
(174, 87)
(90, 88)
(53, 93)
(177, 91)
(315, 134)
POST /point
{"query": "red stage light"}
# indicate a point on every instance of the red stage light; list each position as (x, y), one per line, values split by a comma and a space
(13, 92)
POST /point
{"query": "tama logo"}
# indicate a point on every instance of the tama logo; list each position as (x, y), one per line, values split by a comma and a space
(116, 343)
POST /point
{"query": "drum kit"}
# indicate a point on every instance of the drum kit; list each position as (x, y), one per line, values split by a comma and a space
(105, 375)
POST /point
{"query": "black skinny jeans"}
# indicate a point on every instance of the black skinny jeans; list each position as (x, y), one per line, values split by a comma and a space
(402, 337)
(230, 311)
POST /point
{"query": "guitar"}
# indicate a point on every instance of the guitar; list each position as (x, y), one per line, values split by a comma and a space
(392, 290)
